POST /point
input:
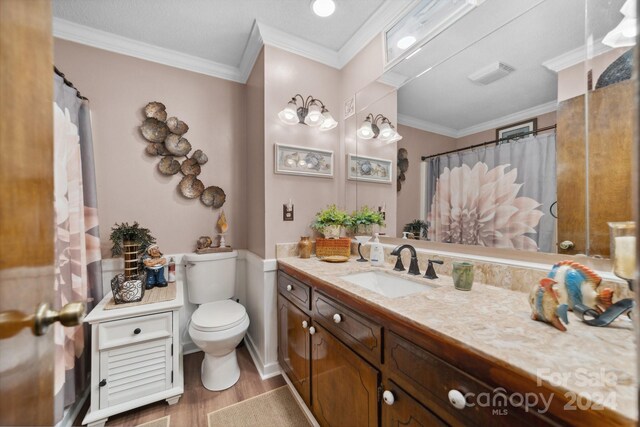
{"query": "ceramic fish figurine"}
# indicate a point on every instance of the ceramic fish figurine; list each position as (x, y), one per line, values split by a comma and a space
(545, 306)
(578, 284)
(222, 223)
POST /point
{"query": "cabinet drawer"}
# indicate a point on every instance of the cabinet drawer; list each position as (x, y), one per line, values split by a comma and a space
(429, 379)
(294, 290)
(358, 332)
(134, 330)
(404, 410)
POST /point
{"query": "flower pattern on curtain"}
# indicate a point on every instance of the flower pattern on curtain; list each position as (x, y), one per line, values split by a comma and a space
(77, 242)
(479, 197)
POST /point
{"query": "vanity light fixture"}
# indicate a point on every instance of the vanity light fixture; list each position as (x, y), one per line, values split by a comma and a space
(323, 8)
(624, 34)
(312, 113)
(384, 132)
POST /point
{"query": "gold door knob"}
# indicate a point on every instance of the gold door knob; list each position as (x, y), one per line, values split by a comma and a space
(12, 322)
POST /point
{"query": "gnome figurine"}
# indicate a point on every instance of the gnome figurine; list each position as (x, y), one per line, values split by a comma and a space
(545, 305)
(154, 262)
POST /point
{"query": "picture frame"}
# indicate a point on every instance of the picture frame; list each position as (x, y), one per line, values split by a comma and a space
(303, 161)
(516, 130)
(370, 169)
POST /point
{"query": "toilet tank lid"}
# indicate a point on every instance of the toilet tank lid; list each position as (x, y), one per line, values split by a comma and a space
(210, 257)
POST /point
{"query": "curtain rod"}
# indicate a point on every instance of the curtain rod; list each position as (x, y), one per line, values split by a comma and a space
(496, 141)
(68, 83)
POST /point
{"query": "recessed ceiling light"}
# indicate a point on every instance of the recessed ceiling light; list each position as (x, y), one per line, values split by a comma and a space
(323, 8)
(405, 42)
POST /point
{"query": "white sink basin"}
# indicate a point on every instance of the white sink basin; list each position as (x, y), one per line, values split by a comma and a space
(386, 284)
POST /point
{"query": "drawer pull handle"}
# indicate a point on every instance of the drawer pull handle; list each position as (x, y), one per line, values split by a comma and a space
(388, 397)
(136, 331)
(305, 324)
(457, 399)
(337, 318)
(289, 288)
(102, 383)
(312, 330)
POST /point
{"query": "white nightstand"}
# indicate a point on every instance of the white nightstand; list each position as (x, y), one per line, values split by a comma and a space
(136, 357)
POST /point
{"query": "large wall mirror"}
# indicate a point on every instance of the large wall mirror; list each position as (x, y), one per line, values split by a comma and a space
(517, 125)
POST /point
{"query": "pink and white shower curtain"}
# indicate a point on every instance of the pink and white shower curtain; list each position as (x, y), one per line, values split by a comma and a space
(77, 247)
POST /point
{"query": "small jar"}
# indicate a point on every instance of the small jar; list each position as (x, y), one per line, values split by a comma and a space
(462, 275)
(304, 247)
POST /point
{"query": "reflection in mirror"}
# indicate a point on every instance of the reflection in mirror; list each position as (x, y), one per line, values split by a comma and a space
(517, 129)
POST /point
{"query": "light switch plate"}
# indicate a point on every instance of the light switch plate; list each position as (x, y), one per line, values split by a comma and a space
(287, 214)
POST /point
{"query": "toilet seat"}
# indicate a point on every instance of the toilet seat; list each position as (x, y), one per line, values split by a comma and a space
(218, 316)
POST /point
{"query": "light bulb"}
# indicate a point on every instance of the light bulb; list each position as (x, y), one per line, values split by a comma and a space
(405, 42)
(314, 116)
(329, 122)
(289, 114)
(323, 8)
(365, 131)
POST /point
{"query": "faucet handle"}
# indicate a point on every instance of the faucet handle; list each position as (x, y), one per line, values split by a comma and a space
(399, 266)
(431, 272)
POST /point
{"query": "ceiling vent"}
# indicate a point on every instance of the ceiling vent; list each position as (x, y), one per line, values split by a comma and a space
(491, 73)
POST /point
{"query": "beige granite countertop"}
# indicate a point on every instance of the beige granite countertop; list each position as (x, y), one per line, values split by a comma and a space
(594, 363)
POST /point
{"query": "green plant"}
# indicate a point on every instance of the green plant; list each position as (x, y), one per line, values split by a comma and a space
(134, 233)
(366, 216)
(417, 227)
(330, 216)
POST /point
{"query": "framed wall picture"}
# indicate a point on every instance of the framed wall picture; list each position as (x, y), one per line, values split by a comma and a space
(294, 160)
(361, 168)
(517, 130)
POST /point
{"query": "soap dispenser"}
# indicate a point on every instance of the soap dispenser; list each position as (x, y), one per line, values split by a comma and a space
(377, 252)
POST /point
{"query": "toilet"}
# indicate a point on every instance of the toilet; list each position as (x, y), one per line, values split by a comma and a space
(219, 323)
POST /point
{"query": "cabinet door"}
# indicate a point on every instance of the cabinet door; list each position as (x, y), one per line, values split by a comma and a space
(400, 409)
(345, 386)
(134, 371)
(294, 353)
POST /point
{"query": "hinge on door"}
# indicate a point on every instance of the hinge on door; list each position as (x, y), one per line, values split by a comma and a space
(172, 383)
(379, 393)
(172, 349)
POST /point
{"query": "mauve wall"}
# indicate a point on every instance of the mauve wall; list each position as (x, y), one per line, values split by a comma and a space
(287, 74)
(130, 188)
(255, 191)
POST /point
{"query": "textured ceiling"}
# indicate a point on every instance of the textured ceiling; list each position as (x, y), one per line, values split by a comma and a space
(216, 30)
(446, 97)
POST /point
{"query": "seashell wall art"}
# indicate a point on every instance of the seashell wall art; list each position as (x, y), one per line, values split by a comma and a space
(166, 140)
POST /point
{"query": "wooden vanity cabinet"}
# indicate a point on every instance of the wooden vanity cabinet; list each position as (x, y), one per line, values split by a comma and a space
(401, 409)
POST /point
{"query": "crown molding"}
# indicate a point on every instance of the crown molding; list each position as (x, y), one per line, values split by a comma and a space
(74, 32)
(576, 56)
(426, 126)
(480, 127)
(251, 52)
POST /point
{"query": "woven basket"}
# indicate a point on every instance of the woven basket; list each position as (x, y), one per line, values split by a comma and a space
(330, 247)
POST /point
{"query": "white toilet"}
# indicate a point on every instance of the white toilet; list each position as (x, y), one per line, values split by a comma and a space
(219, 323)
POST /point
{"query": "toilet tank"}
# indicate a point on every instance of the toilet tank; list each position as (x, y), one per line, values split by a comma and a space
(210, 277)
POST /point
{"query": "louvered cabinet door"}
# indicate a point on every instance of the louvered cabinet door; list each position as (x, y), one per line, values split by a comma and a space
(134, 371)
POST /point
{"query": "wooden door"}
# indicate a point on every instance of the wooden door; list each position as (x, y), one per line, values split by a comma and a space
(344, 386)
(26, 208)
(404, 410)
(294, 352)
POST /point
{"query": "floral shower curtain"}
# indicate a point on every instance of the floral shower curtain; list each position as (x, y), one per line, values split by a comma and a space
(497, 196)
(77, 245)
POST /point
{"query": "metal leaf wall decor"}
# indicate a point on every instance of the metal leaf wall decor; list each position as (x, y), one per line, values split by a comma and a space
(166, 140)
(403, 166)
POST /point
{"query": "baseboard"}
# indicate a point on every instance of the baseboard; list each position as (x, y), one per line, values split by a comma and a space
(300, 402)
(265, 371)
(72, 413)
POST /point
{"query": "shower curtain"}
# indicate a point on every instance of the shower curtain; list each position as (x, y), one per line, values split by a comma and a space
(496, 196)
(78, 275)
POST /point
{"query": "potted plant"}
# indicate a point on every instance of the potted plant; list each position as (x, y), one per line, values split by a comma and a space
(330, 221)
(130, 241)
(418, 228)
(363, 220)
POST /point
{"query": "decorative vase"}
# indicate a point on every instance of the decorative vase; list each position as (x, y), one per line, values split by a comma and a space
(462, 275)
(304, 247)
(130, 251)
(331, 231)
(364, 230)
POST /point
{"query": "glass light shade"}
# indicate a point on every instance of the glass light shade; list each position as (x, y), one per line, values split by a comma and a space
(386, 132)
(323, 8)
(314, 116)
(329, 122)
(365, 131)
(289, 114)
(624, 34)
(623, 248)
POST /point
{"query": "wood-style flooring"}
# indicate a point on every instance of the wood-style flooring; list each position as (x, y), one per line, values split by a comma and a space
(197, 401)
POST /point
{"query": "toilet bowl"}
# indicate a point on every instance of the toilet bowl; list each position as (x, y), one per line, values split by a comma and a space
(217, 328)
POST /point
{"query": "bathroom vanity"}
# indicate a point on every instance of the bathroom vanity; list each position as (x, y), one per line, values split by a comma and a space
(136, 356)
(442, 356)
